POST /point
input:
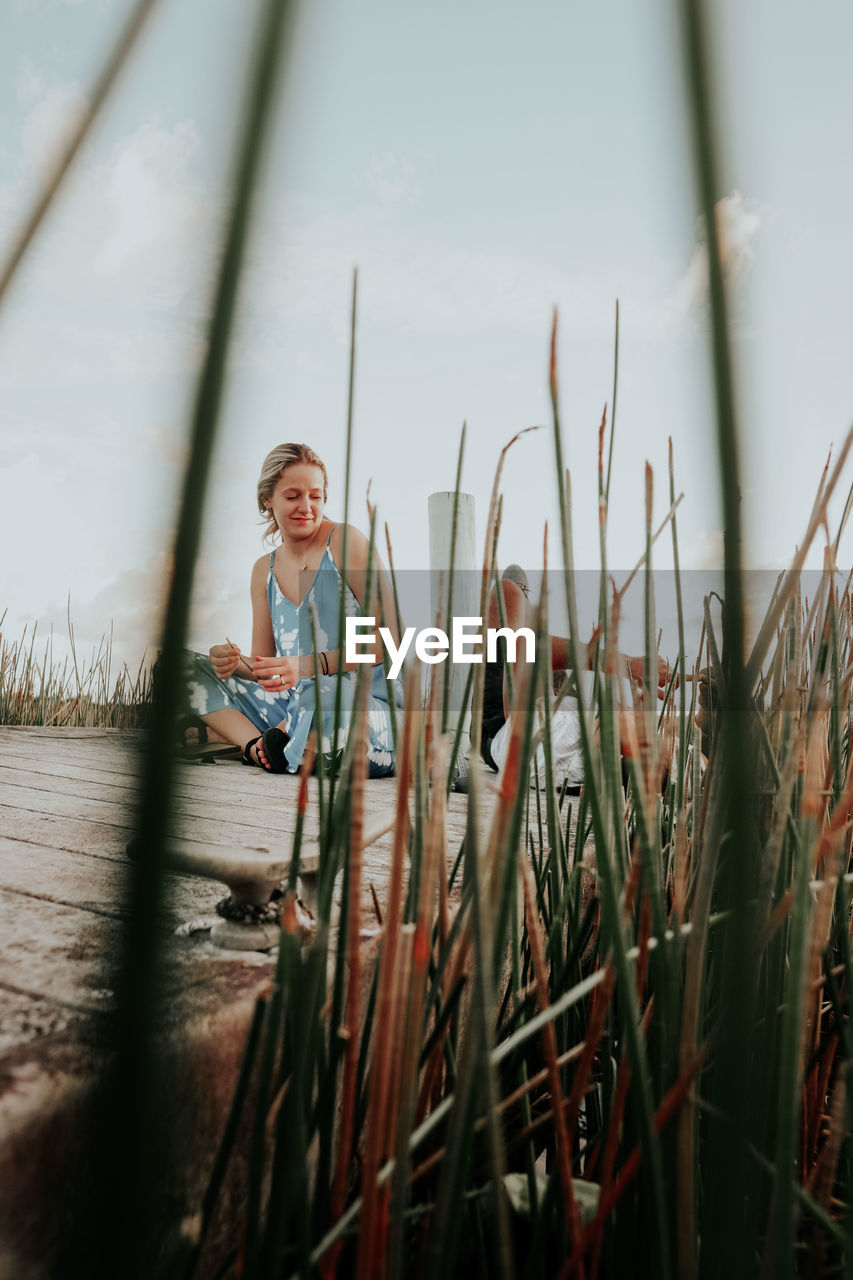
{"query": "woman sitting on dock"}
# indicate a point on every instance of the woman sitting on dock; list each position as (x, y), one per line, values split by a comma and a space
(266, 703)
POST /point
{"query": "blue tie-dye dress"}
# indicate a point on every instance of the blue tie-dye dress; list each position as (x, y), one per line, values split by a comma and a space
(294, 709)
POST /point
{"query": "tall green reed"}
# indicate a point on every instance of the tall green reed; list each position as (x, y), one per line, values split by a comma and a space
(134, 1097)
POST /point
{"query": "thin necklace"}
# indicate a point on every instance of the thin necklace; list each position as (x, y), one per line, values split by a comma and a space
(310, 545)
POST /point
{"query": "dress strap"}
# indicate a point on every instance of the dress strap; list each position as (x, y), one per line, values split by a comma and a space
(272, 559)
(331, 531)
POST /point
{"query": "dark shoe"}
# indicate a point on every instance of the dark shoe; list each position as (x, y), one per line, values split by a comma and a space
(191, 731)
(272, 743)
(194, 746)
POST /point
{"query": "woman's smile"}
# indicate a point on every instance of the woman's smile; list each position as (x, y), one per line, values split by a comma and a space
(297, 501)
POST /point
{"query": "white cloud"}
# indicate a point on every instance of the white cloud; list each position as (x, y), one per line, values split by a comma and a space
(393, 180)
(151, 202)
(102, 338)
(417, 281)
(49, 122)
(739, 223)
(133, 605)
(118, 278)
(29, 84)
(705, 550)
(133, 601)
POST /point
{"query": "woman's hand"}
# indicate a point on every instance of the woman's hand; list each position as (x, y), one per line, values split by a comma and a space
(224, 658)
(274, 674)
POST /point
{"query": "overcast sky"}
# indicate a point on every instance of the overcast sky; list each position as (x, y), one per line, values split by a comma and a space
(480, 164)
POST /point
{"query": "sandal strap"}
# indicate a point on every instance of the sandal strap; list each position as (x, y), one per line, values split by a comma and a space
(246, 758)
(187, 722)
(273, 742)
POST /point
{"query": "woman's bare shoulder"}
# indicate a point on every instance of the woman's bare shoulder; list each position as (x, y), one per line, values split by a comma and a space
(260, 569)
(357, 545)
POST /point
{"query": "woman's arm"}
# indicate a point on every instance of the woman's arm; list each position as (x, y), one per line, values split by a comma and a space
(273, 672)
(263, 640)
(635, 667)
(356, 577)
(226, 659)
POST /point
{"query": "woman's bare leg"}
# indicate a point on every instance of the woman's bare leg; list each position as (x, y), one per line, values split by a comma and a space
(230, 725)
(517, 614)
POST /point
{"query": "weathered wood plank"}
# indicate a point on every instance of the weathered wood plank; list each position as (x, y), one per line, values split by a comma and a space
(46, 872)
(95, 884)
(63, 732)
(24, 1019)
(68, 954)
(275, 797)
(237, 810)
(67, 809)
(95, 843)
(210, 781)
(67, 818)
(122, 758)
(77, 835)
(248, 821)
(121, 761)
(57, 951)
(16, 732)
(266, 831)
(85, 749)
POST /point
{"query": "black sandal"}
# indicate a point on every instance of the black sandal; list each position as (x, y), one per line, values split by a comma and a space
(203, 750)
(191, 724)
(273, 742)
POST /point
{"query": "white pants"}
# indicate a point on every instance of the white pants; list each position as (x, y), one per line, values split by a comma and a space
(565, 746)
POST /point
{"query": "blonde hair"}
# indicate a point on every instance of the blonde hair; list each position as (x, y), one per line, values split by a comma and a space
(277, 461)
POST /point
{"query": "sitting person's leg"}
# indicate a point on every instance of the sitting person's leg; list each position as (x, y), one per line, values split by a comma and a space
(567, 758)
(235, 710)
(273, 728)
(566, 749)
(231, 725)
(516, 613)
(513, 587)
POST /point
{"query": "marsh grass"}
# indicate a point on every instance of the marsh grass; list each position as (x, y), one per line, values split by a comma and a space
(84, 691)
(550, 1053)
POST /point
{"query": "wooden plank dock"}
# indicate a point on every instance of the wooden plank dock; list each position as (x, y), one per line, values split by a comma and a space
(67, 804)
